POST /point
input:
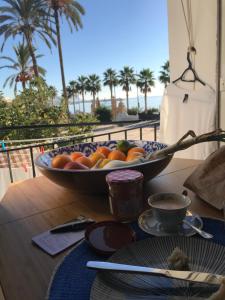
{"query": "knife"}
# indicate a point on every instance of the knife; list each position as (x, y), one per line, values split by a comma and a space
(174, 274)
(78, 225)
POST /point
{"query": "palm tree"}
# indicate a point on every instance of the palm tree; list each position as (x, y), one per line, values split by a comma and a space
(165, 74)
(53, 91)
(110, 79)
(26, 17)
(72, 11)
(93, 86)
(72, 91)
(126, 78)
(82, 87)
(22, 65)
(145, 81)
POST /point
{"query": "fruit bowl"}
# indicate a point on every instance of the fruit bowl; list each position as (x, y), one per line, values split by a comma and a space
(92, 181)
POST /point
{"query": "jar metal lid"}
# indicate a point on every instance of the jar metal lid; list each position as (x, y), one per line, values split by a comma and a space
(124, 176)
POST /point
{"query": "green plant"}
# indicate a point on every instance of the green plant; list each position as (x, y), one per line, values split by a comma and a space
(165, 74)
(22, 65)
(34, 107)
(103, 114)
(29, 19)
(4, 114)
(126, 79)
(82, 87)
(71, 92)
(152, 114)
(153, 110)
(132, 111)
(72, 12)
(82, 118)
(110, 80)
(93, 85)
(145, 81)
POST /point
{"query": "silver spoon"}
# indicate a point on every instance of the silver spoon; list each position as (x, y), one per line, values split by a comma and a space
(204, 234)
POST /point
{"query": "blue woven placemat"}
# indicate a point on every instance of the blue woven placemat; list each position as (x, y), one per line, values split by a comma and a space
(72, 280)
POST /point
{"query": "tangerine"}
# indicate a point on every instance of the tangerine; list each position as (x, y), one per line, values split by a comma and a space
(117, 155)
(136, 149)
(94, 157)
(104, 150)
(75, 155)
(60, 160)
(133, 156)
(84, 160)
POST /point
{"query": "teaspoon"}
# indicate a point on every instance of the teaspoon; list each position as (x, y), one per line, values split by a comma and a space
(204, 234)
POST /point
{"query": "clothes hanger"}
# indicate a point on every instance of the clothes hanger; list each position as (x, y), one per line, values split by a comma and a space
(189, 68)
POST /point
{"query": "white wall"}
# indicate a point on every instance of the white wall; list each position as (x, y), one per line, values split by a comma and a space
(204, 13)
(204, 33)
(222, 114)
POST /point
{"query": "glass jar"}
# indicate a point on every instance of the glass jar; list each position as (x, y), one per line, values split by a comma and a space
(125, 194)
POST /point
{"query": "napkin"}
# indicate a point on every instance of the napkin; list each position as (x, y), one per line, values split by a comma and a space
(208, 179)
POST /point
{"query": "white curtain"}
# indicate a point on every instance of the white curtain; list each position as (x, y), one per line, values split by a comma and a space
(184, 110)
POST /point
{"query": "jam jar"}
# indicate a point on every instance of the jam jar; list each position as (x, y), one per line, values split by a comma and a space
(125, 194)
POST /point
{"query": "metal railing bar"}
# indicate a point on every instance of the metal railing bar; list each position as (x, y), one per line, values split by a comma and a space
(81, 138)
(32, 161)
(155, 132)
(125, 134)
(6, 128)
(141, 133)
(9, 166)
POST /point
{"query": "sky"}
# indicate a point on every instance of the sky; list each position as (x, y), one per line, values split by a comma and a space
(115, 33)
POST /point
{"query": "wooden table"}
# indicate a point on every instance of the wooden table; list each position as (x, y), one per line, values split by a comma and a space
(36, 205)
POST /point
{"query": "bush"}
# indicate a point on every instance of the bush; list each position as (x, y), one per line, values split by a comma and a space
(133, 111)
(153, 111)
(33, 107)
(152, 114)
(103, 114)
(82, 118)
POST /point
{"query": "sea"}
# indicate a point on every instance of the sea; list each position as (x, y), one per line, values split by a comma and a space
(152, 102)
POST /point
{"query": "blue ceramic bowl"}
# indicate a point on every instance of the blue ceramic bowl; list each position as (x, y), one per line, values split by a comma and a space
(93, 181)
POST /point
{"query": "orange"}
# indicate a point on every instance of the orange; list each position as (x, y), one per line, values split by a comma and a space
(59, 161)
(75, 155)
(94, 157)
(117, 155)
(104, 150)
(136, 149)
(84, 160)
(133, 156)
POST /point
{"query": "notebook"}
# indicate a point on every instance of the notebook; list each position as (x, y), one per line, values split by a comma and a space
(55, 243)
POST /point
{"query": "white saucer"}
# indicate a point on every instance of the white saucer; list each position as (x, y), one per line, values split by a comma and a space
(148, 223)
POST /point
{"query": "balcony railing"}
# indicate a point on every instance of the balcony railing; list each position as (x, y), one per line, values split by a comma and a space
(7, 152)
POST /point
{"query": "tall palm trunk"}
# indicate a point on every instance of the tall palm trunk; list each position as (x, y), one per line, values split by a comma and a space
(127, 94)
(23, 85)
(111, 92)
(94, 104)
(114, 91)
(146, 109)
(33, 57)
(61, 57)
(83, 102)
(74, 109)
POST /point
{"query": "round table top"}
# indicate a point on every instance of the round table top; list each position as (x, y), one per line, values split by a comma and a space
(36, 205)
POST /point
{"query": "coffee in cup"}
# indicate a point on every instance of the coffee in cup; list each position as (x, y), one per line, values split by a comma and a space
(169, 209)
